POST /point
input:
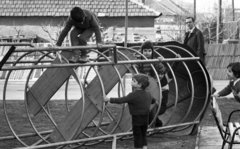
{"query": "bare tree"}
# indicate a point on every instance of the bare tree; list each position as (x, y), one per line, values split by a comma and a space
(19, 31)
(54, 32)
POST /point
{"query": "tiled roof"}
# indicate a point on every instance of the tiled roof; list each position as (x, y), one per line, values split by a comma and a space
(110, 8)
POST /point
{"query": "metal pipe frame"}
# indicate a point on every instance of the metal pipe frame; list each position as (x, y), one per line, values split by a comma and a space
(5, 68)
(105, 137)
(92, 139)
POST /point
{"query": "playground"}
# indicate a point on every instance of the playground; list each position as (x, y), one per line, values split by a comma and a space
(64, 108)
(155, 141)
(53, 95)
(87, 120)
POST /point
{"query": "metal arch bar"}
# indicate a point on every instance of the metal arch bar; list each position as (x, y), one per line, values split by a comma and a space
(175, 82)
(83, 100)
(33, 61)
(187, 113)
(115, 55)
(26, 135)
(49, 115)
(123, 90)
(43, 138)
(26, 106)
(99, 124)
(66, 95)
(9, 124)
(176, 101)
(207, 84)
(8, 54)
(63, 48)
(102, 54)
(28, 61)
(15, 44)
(205, 75)
(123, 106)
(192, 95)
(5, 110)
(98, 63)
(105, 137)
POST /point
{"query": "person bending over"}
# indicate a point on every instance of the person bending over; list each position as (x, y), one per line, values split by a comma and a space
(84, 23)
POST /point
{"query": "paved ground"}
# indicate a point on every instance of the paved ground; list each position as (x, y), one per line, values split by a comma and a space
(209, 138)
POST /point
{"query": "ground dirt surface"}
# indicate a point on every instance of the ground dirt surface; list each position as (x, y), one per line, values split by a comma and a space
(19, 121)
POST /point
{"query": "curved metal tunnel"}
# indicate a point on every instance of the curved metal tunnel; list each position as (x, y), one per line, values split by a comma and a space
(90, 120)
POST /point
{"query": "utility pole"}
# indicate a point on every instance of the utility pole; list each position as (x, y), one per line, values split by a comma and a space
(126, 23)
(233, 11)
(219, 20)
(194, 9)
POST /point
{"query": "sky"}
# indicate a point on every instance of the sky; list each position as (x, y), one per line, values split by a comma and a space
(207, 5)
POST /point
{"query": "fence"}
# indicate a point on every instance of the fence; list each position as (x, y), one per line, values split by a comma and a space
(219, 56)
(231, 30)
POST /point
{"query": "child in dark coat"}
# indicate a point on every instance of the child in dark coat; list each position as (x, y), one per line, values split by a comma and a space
(234, 83)
(139, 102)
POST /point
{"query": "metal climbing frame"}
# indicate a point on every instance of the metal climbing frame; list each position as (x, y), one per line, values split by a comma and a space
(90, 121)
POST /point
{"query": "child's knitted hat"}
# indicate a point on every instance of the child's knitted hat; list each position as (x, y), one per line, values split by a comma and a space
(147, 45)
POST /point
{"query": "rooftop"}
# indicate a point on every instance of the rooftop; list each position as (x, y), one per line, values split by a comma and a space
(103, 8)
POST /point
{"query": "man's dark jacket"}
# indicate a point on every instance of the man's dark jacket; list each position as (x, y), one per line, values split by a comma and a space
(196, 42)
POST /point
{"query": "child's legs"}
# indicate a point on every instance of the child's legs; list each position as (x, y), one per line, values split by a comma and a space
(80, 37)
(144, 132)
(163, 109)
(74, 39)
(164, 102)
(152, 113)
(137, 134)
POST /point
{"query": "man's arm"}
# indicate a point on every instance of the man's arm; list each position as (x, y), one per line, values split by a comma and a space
(200, 44)
(65, 31)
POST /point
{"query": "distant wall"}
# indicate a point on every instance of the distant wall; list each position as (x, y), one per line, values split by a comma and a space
(33, 25)
(219, 56)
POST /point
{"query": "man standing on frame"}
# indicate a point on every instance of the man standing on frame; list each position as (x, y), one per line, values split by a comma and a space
(194, 38)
